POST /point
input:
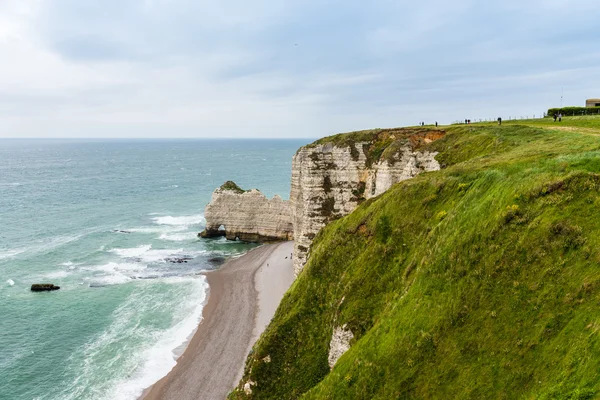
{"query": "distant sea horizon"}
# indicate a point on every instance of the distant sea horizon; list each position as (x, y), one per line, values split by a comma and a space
(113, 221)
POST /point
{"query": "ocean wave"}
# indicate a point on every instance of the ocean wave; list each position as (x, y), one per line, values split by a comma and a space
(42, 246)
(112, 273)
(148, 352)
(132, 252)
(146, 254)
(159, 229)
(55, 275)
(180, 221)
(179, 237)
(158, 360)
(10, 282)
(11, 253)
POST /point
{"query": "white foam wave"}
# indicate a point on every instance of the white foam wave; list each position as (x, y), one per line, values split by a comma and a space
(56, 275)
(10, 282)
(146, 254)
(71, 265)
(179, 237)
(113, 273)
(113, 267)
(158, 229)
(132, 252)
(180, 221)
(11, 253)
(42, 246)
(148, 352)
(115, 279)
(158, 360)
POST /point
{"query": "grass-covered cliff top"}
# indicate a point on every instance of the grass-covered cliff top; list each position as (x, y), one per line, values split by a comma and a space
(233, 187)
(479, 281)
(378, 144)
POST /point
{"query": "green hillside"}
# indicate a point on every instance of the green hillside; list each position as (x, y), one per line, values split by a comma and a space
(479, 281)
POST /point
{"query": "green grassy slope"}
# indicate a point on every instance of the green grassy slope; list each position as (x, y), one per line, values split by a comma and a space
(479, 281)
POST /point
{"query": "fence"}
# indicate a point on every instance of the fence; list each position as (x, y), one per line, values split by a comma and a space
(510, 118)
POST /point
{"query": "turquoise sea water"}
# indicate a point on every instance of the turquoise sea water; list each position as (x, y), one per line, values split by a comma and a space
(125, 308)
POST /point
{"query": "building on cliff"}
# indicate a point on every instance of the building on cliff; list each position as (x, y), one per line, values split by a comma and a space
(592, 103)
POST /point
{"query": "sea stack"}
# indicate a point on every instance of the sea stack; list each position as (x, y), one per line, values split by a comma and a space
(247, 215)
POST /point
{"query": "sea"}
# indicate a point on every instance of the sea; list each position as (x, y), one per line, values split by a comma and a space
(114, 223)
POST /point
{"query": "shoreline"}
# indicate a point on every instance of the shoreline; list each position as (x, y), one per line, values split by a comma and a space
(243, 296)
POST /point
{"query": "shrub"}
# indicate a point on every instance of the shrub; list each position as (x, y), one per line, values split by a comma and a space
(572, 111)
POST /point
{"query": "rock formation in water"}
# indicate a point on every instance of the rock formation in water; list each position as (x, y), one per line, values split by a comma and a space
(43, 287)
(332, 176)
(247, 215)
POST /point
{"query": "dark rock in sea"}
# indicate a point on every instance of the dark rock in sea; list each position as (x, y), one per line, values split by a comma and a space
(97, 285)
(178, 260)
(216, 260)
(43, 287)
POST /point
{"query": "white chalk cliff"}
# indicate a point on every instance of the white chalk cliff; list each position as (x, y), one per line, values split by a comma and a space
(247, 215)
(330, 178)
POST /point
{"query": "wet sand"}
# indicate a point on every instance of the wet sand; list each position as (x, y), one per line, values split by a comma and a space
(243, 297)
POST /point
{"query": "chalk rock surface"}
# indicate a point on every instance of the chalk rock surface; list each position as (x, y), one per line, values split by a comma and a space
(333, 175)
(247, 215)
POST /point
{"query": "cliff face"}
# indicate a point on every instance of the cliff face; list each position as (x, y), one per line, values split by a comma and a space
(247, 215)
(332, 176)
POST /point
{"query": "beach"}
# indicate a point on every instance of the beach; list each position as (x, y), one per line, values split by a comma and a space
(243, 297)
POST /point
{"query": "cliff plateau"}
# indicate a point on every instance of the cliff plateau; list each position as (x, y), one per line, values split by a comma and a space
(478, 281)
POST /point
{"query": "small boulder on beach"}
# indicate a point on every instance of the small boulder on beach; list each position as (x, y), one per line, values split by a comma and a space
(43, 287)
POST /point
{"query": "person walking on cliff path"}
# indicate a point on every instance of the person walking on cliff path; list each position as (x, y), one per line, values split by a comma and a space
(559, 117)
(436, 124)
(554, 117)
(499, 120)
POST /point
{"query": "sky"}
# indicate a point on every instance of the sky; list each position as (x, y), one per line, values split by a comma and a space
(286, 69)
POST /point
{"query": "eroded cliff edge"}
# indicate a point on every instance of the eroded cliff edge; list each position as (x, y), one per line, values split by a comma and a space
(247, 215)
(333, 175)
(330, 178)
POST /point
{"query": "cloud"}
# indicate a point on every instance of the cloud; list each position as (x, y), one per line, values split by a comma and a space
(183, 68)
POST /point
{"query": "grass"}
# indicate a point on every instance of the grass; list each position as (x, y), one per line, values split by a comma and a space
(233, 187)
(479, 281)
(379, 144)
(587, 121)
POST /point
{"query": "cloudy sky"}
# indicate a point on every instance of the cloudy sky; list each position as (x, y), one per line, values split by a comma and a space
(266, 68)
